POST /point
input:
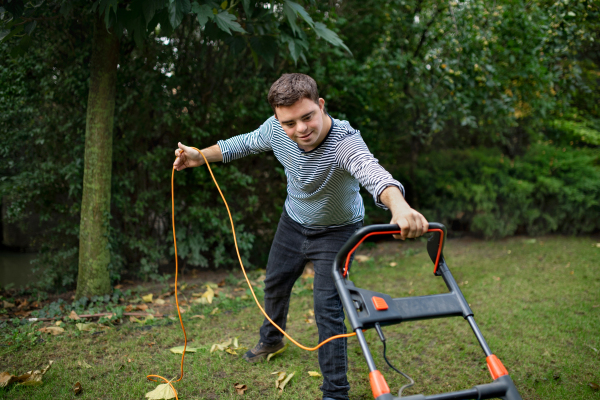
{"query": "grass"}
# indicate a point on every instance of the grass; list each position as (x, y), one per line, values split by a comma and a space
(536, 302)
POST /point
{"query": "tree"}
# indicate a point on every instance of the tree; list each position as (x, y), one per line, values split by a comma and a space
(268, 26)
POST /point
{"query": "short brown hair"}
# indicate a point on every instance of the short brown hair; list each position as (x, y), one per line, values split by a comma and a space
(290, 88)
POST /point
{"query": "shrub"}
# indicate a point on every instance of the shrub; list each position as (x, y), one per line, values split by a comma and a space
(548, 189)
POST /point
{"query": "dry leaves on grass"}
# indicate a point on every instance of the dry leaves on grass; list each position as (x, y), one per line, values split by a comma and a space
(162, 391)
(6, 304)
(239, 388)
(230, 346)
(83, 364)
(31, 378)
(77, 389)
(91, 327)
(282, 379)
(140, 321)
(284, 348)
(314, 373)
(206, 297)
(361, 258)
(179, 350)
(159, 302)
(74, 315)
(147, 298)
(54, 330)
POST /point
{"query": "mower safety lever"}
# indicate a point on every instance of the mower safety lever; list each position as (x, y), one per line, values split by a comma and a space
(435, 243)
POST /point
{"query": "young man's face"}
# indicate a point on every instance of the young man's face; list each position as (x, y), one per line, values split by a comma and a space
(305, 122)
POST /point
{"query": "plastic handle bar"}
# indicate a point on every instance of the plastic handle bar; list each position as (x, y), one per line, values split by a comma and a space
(359, 236)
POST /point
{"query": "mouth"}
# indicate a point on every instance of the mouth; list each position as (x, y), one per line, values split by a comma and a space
(305, 136)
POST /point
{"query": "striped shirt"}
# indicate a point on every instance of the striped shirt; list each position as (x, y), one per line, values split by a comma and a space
(322, 184)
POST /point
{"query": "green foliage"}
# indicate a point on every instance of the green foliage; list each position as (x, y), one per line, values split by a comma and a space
(426, 82)
(548, 189)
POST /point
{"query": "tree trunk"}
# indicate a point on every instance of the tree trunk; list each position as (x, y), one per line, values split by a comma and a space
(94, 255)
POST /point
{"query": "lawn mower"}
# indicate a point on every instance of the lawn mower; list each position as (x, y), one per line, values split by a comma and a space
(367, 309)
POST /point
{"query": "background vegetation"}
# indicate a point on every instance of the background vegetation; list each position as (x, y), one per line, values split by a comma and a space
(486, 111)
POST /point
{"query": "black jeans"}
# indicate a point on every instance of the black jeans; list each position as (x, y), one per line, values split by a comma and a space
(293, 246)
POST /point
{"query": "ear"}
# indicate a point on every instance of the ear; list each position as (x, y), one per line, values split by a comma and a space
(322, 103)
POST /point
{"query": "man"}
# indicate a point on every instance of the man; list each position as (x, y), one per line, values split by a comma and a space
(324, 159)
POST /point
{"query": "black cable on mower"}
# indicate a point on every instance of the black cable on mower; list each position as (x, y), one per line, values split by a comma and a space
(382, 338)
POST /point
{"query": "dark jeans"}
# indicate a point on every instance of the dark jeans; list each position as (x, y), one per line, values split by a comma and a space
(293, 246)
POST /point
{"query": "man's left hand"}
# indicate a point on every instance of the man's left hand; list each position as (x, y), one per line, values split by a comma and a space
(411, 222)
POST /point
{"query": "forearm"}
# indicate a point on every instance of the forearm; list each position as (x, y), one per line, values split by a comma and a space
(212, 154)
(393, 199)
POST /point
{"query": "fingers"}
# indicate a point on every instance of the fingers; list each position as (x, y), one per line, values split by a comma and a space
(411, 223)
(181, 159)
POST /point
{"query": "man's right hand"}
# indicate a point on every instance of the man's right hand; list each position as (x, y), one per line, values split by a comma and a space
(187, 157)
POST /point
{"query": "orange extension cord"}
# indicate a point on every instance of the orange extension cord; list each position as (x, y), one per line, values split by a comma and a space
(245, 276)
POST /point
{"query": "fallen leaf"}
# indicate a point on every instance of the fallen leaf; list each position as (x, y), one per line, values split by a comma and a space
(54, 330)
(6, 379)
(215, 311)
(119, 286)
(597, 245)
(314, 373)
(83, 364)
(361, 258)
(594, 385)
(284, 348)
(211, 285)
(179, 350)
(279, 379)
(221, 346)
(163, 391)
(209, 294)
(77, 388)
(221, 284)
(58, 323)
(74, 315)
(198, 316)
(86, 327)
(160, 302)
(393, 264)
(309, 320)
(231, 351)
(287, 379)
(239, 388)
(6, 304)
(129, 360)
(134, 319)
(129, 308)
(147, 298)
(31, 378)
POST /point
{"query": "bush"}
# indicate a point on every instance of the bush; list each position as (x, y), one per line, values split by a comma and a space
(548, 189)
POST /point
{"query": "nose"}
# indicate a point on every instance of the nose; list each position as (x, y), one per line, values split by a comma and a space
(301, 127)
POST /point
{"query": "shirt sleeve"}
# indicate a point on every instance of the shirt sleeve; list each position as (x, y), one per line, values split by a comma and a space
(254, 142)
(354, 156)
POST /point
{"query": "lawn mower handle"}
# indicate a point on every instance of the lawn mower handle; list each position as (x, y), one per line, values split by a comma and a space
(368, 309)
(435, 244)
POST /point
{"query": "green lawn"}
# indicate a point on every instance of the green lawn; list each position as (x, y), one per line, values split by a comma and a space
(537, 303)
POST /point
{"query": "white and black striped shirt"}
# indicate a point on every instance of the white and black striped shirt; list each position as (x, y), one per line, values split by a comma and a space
(322, 184)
